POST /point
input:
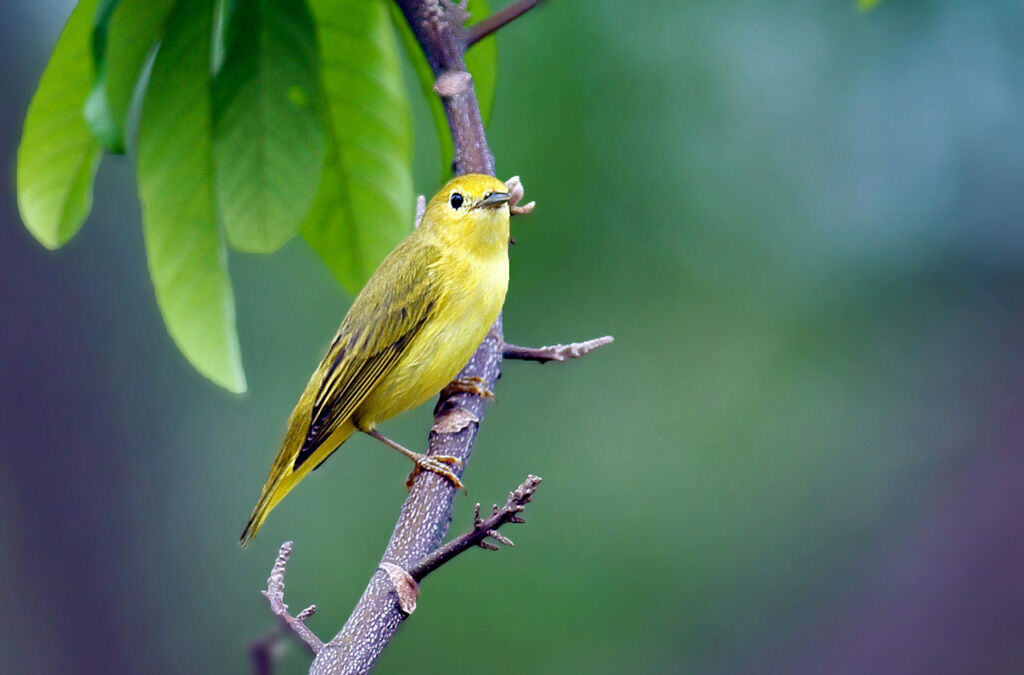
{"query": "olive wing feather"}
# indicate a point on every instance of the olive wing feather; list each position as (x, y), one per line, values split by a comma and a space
(380, 326)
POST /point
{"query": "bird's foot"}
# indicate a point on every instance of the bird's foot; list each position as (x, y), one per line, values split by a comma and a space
(468, 385)
(439, 464)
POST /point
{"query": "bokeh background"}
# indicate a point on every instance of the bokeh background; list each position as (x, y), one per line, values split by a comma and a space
(803, 453)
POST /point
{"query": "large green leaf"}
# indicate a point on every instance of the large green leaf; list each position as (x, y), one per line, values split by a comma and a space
(124, 33)
(186, 252)
(268, 138)
(481, 62)
(57, 158)
(364, 205)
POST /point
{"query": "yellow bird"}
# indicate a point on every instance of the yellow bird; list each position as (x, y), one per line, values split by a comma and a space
(415, 324)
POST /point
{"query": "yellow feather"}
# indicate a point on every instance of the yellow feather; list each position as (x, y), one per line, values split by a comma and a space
(412, 328)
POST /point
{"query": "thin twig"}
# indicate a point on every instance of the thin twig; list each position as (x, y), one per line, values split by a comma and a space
(555, 352)
(482, 529)
(275, 595)
(481, 29)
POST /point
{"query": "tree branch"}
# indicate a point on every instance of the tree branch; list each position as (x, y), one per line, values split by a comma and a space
(406, 583)
(481, 29)
(482, 529)
(555, 352)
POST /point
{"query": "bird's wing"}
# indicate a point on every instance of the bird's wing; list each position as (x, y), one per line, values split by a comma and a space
(389, 312)
(375, 334)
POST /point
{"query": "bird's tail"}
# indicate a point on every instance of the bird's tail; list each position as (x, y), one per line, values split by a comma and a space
(283, 476)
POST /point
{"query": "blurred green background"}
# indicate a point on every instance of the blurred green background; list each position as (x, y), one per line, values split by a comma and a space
(803, 453)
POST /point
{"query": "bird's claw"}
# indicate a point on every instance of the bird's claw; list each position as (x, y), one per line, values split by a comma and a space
(469, 385)
(439, 464)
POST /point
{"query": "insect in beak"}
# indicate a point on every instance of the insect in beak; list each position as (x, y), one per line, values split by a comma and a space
(493, 200)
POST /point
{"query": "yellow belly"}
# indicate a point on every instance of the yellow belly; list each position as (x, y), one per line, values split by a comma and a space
(441, 348)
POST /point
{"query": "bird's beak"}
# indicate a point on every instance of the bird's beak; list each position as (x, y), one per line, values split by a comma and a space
(494, 200)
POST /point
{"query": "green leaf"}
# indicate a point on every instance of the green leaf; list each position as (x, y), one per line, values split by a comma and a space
(186, 252)
(268, 140)
(57, 157)
(481, 62)
(364, 205)
(124, 33)
(865, 5)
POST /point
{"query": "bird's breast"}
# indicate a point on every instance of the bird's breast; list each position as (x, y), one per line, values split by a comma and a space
(471, 293)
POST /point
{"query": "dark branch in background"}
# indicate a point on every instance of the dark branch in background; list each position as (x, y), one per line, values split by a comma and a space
(269, 647)
(265, 649)
(426, 514)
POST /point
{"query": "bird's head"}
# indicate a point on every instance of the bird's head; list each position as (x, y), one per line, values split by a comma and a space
(470, 209)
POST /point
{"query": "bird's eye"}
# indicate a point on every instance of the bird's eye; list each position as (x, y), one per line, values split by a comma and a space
(456, 200)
